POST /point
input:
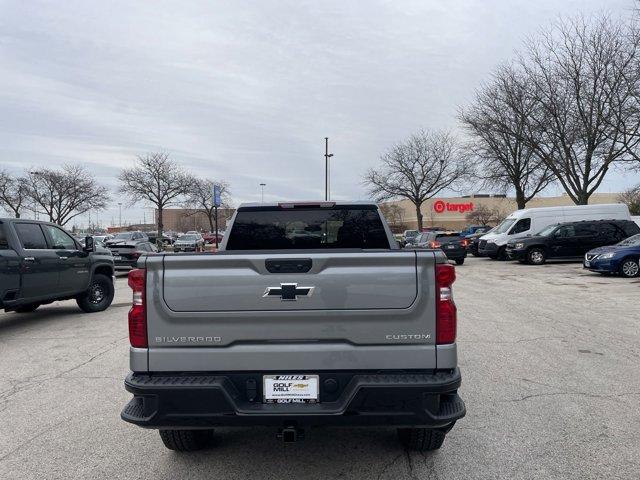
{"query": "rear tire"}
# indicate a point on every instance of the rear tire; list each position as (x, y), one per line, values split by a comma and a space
(502, 254)
(421, 439)
(459, 261)
(536, 256)
(629, 268)
(186, 440)
(30, 307)
(98, 296)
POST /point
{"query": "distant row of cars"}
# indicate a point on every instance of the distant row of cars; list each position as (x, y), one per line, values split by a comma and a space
(127, 247)
(454, 244)
(603, 237)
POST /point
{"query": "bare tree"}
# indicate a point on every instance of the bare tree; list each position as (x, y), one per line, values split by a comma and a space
(66, 193)
(13, 193)
(156, 179)
(584, 76)
(631, 198)
(394, 214)
(484, 215)
(496, 121)
(200, 197)
(418, 169)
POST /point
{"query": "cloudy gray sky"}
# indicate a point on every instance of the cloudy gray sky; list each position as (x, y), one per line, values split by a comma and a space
(246, 90)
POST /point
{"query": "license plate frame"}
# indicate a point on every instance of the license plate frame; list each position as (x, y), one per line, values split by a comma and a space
(291, 388)
(117, 257)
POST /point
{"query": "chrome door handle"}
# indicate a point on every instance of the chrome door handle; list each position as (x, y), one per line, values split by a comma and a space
(63, 258)
(29, 259)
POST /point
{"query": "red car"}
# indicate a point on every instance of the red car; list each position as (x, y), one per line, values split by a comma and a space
(210, 238)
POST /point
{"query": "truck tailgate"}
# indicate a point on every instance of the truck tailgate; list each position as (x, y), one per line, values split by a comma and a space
(346, 306)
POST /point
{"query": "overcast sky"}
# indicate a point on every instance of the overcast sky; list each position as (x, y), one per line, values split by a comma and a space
(247, 91)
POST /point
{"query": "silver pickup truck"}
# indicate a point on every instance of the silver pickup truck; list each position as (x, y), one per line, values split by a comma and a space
(308, 315)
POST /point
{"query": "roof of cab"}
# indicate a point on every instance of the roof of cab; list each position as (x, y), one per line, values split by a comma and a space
(308, 202)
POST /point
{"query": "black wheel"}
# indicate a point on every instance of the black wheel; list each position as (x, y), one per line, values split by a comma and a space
(630, 268)
(536, 256)
(186, 440)
(459, 261)
(98, 296)
(30, 307)
(502, 254)
(421, 439)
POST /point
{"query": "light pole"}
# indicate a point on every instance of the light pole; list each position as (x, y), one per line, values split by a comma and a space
(327, 156)
(120, 214)
(35, 211)
(262, 185)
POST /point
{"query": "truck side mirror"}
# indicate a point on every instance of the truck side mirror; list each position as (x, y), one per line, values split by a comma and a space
(89, 245)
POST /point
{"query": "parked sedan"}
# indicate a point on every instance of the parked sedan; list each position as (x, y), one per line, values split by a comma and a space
(409, 236)
(450, 243)
(473, 240)
(622, 258)
(188, 243)
(166, 240)
(210, 238)
(126, 255)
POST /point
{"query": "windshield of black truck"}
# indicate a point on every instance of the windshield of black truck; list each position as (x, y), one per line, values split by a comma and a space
(307, 228)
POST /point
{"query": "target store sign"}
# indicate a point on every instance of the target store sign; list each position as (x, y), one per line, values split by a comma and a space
(440, 206)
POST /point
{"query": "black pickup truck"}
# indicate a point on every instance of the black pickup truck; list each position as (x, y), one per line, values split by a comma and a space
(41, 263)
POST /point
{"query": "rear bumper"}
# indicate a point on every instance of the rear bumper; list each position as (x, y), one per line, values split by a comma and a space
(355, 398)
(455, 254)
(125, 263)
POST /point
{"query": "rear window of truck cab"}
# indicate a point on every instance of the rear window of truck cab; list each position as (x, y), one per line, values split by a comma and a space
(275, 228)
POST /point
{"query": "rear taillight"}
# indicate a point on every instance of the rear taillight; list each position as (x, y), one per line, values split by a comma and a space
(435, 244)
(138, 311)
(465, 242)
(446, 313)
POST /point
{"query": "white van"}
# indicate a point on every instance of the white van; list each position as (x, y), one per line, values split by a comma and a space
(530, 221)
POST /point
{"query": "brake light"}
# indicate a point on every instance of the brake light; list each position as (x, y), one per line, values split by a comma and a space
(446, 312)
(435, 244)
(465, 242)
(138, 313)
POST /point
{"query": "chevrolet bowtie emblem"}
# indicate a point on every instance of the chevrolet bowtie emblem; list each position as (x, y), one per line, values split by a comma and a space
(288, 291)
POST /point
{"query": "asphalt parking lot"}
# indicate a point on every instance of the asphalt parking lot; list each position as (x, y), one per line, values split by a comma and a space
(549, 355)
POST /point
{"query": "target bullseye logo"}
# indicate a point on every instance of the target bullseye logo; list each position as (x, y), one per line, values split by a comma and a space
(439, 206)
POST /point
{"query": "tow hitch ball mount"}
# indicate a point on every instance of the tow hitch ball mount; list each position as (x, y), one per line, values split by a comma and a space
(290, 434)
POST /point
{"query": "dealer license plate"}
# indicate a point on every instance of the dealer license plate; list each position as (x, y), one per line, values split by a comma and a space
(451, 246)
(290, 388)
(117, 257)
